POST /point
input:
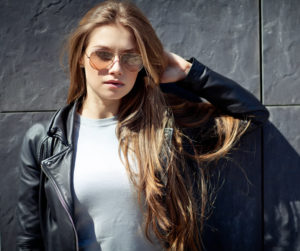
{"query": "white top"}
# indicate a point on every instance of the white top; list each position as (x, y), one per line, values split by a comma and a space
(107, 215)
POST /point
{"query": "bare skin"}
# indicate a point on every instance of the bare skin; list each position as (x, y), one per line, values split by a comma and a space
(177, 68)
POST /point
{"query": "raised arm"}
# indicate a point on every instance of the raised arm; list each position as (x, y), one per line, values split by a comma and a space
(197, 81)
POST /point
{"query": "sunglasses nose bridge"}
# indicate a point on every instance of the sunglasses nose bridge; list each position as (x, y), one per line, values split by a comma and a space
(112, 66)
(115, 58)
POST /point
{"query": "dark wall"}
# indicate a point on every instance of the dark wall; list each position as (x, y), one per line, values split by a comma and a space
(256, 43)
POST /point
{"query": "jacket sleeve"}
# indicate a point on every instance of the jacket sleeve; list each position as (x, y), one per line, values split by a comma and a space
(224, 93)
(28, 223)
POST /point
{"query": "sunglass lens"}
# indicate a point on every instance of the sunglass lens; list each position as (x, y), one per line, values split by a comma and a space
(133, 62)
(101, 59)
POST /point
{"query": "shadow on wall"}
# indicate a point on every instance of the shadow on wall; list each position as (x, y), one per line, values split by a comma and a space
(236, 222)
(281, 192)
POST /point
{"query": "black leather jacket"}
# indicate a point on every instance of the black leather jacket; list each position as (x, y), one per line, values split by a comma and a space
(45, 206)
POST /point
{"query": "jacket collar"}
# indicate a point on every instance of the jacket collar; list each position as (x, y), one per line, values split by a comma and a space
(62, 123)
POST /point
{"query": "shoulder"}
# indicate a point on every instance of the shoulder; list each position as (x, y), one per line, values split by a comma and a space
(33, 140)
(35, 137)
(36, 132)
(41, 130)
(39, 134)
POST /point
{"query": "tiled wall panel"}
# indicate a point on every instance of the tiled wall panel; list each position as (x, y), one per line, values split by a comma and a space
(281, 50)
(222, 34)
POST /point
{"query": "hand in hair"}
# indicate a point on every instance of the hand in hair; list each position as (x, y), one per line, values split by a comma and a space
(177, 68)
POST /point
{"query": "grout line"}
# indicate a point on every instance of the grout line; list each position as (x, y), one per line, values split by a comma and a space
(289, 105)
(28, 111)
(262, 187)
(44, 111)
(261, 53)
(261, 69)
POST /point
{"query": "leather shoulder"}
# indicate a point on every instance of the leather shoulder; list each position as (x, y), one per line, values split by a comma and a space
(32, 142)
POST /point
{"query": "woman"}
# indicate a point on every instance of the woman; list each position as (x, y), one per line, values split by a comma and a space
(122, 166)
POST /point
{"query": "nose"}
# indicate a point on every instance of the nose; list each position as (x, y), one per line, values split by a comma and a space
(115, 67)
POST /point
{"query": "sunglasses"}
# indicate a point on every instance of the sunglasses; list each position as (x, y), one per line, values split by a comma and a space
(101, 59)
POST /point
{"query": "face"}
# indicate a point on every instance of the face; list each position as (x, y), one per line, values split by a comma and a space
(115, 80)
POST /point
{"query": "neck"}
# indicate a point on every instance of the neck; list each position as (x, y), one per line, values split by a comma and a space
(99, 109)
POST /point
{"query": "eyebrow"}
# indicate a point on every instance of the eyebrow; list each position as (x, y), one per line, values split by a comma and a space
(111, 49)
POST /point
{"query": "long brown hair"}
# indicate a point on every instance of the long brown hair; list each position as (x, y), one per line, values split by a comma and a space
(168, 178)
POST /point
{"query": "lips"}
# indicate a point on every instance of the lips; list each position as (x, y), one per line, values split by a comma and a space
(115, 83)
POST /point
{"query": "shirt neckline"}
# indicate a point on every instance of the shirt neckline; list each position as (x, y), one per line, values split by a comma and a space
(84, 121)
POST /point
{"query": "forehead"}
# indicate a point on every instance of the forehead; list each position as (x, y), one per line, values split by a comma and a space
(114, 36)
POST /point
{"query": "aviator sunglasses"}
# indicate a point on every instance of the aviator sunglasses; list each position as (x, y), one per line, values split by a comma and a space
(102, 59)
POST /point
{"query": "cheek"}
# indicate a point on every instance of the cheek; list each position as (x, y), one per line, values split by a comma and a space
(88, 71)
(132, 77)
(92, 74)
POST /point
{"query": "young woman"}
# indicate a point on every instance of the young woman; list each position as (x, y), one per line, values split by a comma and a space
(122, 166)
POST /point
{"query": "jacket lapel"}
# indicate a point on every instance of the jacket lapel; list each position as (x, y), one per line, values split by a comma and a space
(59, 166)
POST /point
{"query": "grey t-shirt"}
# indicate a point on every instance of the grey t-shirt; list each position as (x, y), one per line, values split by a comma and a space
(107, 215)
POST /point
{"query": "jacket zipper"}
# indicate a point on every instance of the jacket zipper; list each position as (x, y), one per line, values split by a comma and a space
(62, 201)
